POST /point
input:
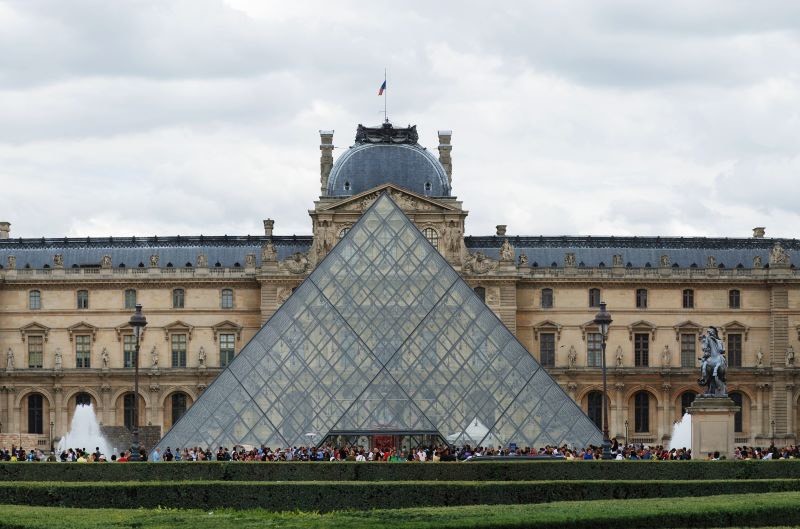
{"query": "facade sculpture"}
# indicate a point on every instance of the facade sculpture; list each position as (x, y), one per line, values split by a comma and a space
(506, 251)
(10, 360)
(572, 357)
(58, 360)
(154, 357)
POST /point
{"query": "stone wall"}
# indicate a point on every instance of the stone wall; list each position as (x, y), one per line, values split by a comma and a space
(119, 437)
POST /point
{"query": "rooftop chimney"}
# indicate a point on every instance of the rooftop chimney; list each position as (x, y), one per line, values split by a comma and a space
(325, 159)
(501, 230)
(5, 230)
(444, 153)
(268, 225)
(758, 233)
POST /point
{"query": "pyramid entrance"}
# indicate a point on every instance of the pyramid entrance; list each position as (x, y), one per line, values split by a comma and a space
(383, 339)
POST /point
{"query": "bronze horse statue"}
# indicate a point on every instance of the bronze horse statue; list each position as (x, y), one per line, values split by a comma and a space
(714, 364)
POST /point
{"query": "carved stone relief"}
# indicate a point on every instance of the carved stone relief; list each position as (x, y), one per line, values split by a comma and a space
(478, 263)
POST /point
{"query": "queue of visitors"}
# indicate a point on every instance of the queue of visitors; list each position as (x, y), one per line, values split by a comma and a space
(439, 453)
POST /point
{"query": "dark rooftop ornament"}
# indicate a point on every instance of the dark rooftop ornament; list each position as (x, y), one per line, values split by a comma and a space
(386, 133)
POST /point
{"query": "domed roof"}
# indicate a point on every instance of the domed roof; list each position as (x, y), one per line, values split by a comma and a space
(387, 155)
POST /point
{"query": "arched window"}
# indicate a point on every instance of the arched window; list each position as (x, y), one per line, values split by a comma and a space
(130, 298)
(127, 410)
(641, 298)
(34, 300)
(641, 411)
(547, 298)
(35, 413)
(594, 403)
(736, 397)
(734, 299)
(178, 298)
(83, 399)
(686, 401)
(594, 297)
(688, 298)
(178, 406)
(83, 299)
(432, 236)
(226, 301)
(481, 292)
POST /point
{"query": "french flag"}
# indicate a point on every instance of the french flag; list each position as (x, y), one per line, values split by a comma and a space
(383, 87)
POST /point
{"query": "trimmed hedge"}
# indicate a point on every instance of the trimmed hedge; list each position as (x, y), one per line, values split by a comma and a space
(348, 471)
(707, 511)
(331, 496)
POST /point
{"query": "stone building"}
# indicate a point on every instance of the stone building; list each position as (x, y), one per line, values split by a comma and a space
(65, 304)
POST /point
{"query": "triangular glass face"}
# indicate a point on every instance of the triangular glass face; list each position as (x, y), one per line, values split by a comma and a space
(383, 336)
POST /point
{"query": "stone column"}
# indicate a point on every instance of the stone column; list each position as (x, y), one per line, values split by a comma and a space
(790, 412)
(779, 342)
(757, 422)
(60, 427)
(107, 406)
(621, 409)
(11, 425)
(666, 421)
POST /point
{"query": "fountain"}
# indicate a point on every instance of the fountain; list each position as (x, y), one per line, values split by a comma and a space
(84, 432)
(682, 433)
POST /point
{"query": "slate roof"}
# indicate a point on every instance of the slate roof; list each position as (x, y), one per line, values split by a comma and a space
(637, 251)
(130, 251)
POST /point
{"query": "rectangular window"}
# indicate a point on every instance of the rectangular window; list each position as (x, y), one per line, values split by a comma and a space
(594, 349)
(734, 299)
(35, 351)
(735, 350)
(226, 301)
(178, 298)
(641, 298)
(83, 299)
(226, 349)
(178, 350)
(35, 300)
(688, 350)
(83, 350)
(130, 299)
(688, 298)
(547, 349)
(641, 349)
(594, 297)
(128, 350)
(547, 298)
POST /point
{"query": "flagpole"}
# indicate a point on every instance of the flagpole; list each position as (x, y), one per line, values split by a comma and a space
(385, 98)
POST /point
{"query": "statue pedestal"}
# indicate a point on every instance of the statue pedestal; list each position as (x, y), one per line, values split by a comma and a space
(712, 426)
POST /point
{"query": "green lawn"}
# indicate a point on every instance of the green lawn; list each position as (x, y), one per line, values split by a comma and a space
(750, 510)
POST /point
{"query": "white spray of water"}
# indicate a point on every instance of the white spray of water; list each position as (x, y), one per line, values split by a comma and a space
(682, 433)
(84, 432)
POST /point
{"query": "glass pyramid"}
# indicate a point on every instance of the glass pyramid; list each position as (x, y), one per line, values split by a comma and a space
(383, 337)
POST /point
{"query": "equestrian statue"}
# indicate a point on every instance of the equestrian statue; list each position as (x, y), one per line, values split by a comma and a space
(714, 365)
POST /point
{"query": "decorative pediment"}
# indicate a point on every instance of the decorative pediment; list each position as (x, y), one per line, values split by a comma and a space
(407, 200)
(126, 328)
(34, 329)
(82, 328)
(547, 326)
(687, 327)
(642, 326)
(227, 326)
(586, 328)
(734, 327)
(178, 327)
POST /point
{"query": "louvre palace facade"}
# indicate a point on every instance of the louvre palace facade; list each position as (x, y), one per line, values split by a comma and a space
(65, 305)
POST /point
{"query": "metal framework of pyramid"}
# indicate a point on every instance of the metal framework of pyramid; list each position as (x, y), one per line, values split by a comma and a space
(383, 336)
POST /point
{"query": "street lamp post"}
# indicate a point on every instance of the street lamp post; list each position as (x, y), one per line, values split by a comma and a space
(626, 432)
(137, 322)
(52, 444)
(603, 321)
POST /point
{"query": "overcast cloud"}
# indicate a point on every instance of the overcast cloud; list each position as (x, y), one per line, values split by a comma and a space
(202, 116)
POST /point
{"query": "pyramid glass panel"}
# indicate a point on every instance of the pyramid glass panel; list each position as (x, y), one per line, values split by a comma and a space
(383, 336)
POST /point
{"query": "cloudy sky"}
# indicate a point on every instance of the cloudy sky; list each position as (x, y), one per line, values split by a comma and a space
(202, 116)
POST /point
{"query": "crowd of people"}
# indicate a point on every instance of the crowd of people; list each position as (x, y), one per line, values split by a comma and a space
(422, 454)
